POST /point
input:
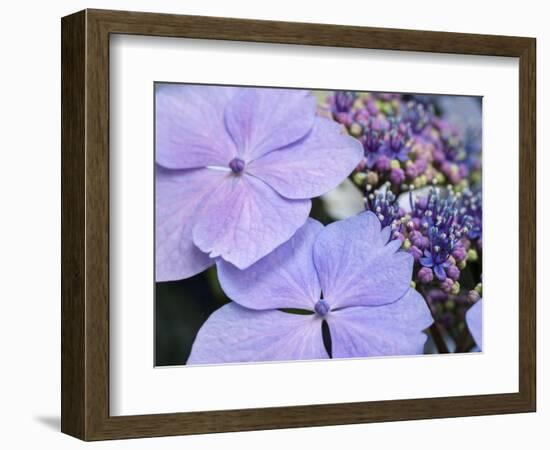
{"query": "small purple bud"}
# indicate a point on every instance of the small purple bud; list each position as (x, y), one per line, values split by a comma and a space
(415, 235)
(454, 177)
(322, 308)
(425, 275)
(371, 107)
(383, 163)
(419, 240)
(412, 171)
(446, 167)
(447, 285)
(237, 165)
(438, 156)
(344, 118)
(421, 165)
(415, 252)
(459, 253)
(397, 176)
(453, 272)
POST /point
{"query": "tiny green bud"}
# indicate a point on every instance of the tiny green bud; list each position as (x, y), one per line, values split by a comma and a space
(385, 108)
(456, 288)
(406, 244)
(355, 129)
(359, 178)
(479, 288)
(462, 264)
(394, 164)
(413, 284)
(472, 255)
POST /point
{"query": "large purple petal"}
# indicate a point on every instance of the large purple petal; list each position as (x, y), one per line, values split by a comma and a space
(357, 266)
(235, 334)
(261, 120)
(179, 193)
(190, 130)
(312, 166)
(244, 220)
(474, 319)
(388, 330)
(286, 278)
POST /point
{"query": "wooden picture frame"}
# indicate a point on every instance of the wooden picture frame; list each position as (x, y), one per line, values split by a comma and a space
(85, 224)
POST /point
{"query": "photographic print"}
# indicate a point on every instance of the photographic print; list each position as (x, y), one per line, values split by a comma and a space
(298, 224)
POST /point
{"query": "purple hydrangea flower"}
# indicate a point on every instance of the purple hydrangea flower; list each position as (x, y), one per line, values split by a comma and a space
(383, 204)
(417, 115)
(374, 144)
(348, 274)
(342, 102)
(474, 320)
(471, 204)
(397, 145)
(438, 225)
(236, 168)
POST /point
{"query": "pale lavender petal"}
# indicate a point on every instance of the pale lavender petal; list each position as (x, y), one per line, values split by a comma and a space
(313, 165)
(261, 120)
(235, 334)
(179, 194)
(387, 330)
(358, 266)
(244, 220)
(285, 278)
(189, 126)
(474, 319)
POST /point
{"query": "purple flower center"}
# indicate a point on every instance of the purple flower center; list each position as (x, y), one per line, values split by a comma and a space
(237, 165)
(322, 308)
(384, 205)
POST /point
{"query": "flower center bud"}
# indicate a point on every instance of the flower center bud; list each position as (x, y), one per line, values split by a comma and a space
(236, 165)
(322, 308)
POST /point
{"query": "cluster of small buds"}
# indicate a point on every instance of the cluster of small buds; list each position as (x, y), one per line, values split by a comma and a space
(436, 234)
(471, 205)
(383, 203)
(341, 104)
(418, 115)
(405, 142)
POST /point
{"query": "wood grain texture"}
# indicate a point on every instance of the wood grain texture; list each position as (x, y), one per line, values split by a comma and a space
(85, 224)
(73, 111)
